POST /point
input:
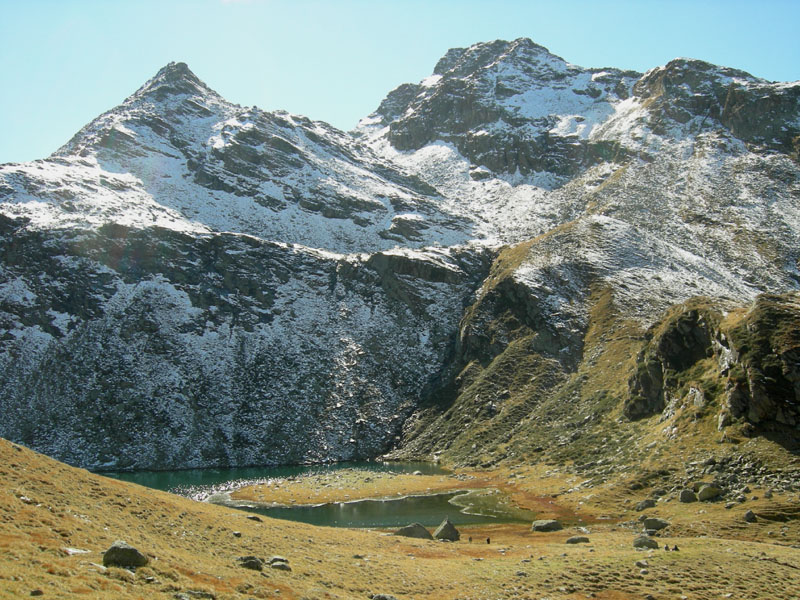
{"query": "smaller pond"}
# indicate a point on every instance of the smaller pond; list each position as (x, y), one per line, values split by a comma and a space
(462, 507)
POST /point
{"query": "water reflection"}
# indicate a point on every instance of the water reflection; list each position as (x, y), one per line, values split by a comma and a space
(463, 507)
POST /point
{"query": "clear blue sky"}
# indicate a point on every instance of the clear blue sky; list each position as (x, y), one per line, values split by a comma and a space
(66, 61)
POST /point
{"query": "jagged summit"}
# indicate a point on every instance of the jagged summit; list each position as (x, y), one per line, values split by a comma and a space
(463, 62)
(176, 154)
(174, 98)
(175, 70)
(173, 79)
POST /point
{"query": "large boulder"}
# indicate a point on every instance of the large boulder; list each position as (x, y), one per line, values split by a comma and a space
(645, 542)
(708, 492)
(546, 525)
(655, 523)
(447, 531)
(415, 530)
(251, 562)
(121, 554)
(687, 495)
(645, 504)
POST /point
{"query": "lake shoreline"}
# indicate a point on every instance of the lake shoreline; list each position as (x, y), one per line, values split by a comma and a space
(349, 485)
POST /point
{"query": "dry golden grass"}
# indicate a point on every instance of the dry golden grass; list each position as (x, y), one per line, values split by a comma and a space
(47, 507)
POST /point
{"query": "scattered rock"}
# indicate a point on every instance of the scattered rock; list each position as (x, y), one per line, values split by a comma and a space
(655, 523)
(194, 594)
(254, 518)
(649, 503)
(251, 562)
(447, 531)
(121, 554)
(382, 597)
(280, 566)
(37, 593)
(687, 495)
(546, 525)
(277, 559)
(237, 534)
(642, 564)
(708, 492)
(750, 516)
(415, 530)
(578, 539)
(643, 541)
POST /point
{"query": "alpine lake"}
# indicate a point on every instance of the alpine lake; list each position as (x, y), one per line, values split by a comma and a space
(463, 507)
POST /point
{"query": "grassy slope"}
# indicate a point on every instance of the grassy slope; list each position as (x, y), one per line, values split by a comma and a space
(513, 403)
(46, 507)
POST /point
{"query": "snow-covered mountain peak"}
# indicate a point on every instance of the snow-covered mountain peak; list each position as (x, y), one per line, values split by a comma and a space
(524, 141)
(465, 62)
(190, 282)
(174, 104)
(196, 162)
(174, 78)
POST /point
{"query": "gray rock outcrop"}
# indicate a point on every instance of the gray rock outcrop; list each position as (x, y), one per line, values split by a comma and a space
(251, 562)
(414, 530)
(644, 541)
(447, 531)
(708, 492)
(121, 554)
(645, 504)
(655, 523)
(546, 525)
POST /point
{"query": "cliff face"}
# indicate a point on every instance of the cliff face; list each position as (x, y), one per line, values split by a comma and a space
(491, 262)
(747, 360)
(154, 348)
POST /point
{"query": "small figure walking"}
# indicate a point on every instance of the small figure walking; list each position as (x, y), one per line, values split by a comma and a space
(470, 539)
(488, 541)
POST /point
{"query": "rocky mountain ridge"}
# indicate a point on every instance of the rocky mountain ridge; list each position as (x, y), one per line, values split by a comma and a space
(188, 282)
